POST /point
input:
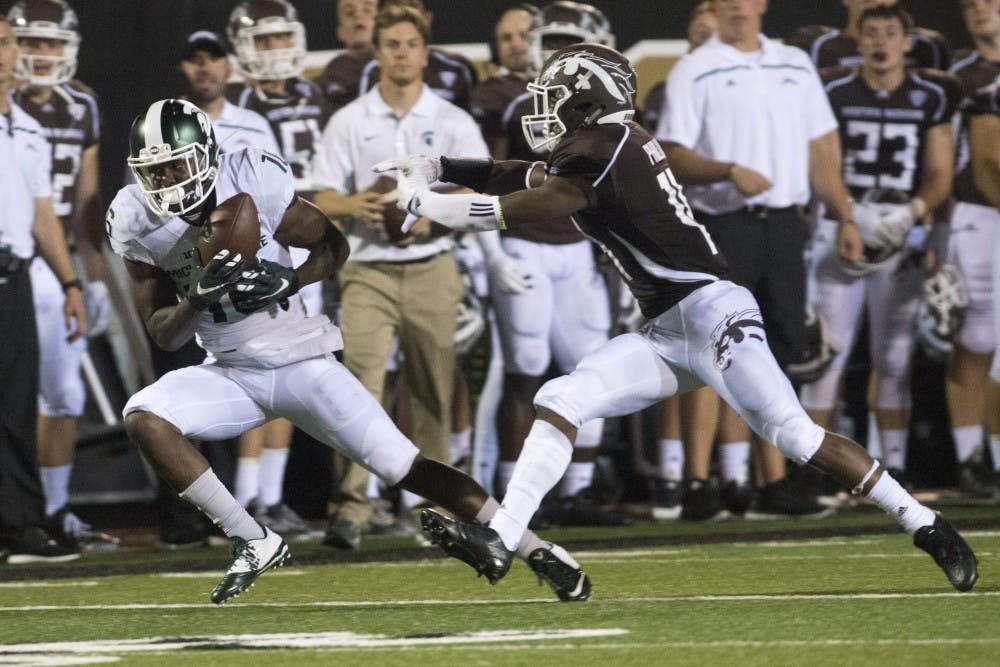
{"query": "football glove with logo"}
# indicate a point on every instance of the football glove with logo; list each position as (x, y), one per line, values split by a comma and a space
(267, 284)
(212, 281)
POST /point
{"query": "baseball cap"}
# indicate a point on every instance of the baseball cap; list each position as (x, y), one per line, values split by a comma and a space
(203, 40)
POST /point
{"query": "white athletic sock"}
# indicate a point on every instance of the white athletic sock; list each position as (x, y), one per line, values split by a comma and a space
(894, 500)
(734, 461)
(671, 459)
(529, 541)
(968, 441)
(460, 445)
(210, 496)
(55, 483)
(893, 448)
(995, 450)
(578, 476)
(504, 472)
(590, 434)
(546, 454)
(246, 485)
(409, 499)
(272, 475)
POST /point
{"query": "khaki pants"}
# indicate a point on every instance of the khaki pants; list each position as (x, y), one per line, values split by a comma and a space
(418, 303)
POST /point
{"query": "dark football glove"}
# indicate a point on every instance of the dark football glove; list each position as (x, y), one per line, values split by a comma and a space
(261, 287)
(936, 242)
(210, 283)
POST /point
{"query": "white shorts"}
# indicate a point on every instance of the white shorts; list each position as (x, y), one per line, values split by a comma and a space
(61, 391)
(319, 395)
(891, 296)
(970, 248)
(715, 336)
(564, 315)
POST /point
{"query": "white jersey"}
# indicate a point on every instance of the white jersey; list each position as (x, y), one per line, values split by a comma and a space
(268, 338)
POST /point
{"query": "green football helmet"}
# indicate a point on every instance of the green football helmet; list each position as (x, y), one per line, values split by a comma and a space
(174, 156)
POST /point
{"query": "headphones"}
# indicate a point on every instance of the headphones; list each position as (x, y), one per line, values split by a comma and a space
(523, 6)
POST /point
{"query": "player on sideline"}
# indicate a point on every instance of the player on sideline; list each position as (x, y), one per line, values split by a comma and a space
(267, 358)
(613, 177)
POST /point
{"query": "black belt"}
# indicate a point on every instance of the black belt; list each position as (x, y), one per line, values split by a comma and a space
(13, 265)
(755, 211)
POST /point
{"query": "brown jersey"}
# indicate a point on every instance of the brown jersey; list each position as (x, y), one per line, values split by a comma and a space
(829, 47)
(489, 100)
(637, 213)
(339, 79)
(883, 132)
(449, 75)
(974, 73)
(297, 119)
(71, 121)
(563, 231)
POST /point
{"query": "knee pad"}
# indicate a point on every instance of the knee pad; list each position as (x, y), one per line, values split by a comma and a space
(561, 395)
(795, 435)
(63, 399)
(995, 368)
(527, 356)
(893, 393)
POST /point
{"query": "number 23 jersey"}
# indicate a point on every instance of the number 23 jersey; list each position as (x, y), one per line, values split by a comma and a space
(263, 338)
(882, 132)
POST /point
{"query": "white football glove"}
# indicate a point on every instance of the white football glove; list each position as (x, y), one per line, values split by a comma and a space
(98, 305)
(883, 225)
(506, 275)
(415, 173)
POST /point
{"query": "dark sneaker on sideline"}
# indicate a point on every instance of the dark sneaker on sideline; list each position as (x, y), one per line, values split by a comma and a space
(584, 509)
(343, 534)
(73, 532)
(783, 499)
(667, 495)
(976, 480)
(737, 496)
(563, 574)
(474, 544)
(950, 552)
(285, 521)
(251, 558)
(701, 501)
(34, 545)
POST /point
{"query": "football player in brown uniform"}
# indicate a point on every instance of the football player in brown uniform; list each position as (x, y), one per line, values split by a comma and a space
(895, 127)
(833, 47)
(354, 72)
(551, 302)
(270, 44)
(613, 178)
(974, 221)
(47, 33)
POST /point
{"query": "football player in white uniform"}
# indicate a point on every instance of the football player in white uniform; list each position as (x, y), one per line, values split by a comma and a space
(267, 358)
(48, 37)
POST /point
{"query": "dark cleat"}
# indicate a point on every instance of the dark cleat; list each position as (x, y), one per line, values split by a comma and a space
(563, 574)
(474, 544)
(950, 552)
(251, 558)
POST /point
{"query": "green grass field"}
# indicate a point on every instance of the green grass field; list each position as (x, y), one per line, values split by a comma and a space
(839, 591)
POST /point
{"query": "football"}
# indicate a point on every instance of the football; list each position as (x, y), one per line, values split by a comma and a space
(233, 226)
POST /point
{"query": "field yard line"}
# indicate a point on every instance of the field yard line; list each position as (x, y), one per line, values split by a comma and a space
(417, 603)
(46, 584)
(300, 640)
(607, 557)
(215, 574)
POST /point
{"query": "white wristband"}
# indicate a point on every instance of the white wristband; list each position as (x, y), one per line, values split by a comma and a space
(465, 212)
(918, 207)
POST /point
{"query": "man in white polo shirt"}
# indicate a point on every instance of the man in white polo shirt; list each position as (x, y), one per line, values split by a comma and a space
(28, 223)
(393, 285)
(749, 129)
